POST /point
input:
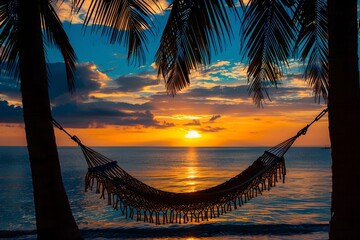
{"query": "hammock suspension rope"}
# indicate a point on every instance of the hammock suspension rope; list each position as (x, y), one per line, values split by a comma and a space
(139, 201)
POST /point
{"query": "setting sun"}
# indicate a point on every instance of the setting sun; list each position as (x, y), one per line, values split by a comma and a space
(192, 134)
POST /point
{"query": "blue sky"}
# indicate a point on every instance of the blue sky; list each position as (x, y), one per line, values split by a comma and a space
(121, 104)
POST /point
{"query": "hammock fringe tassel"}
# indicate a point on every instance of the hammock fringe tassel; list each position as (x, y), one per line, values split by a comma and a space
(136, 200)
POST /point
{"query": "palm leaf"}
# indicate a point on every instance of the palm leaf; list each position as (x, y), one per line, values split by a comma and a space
(56, 36)
(193, 28)
(123, 21)
(8, 37)
(230, 3)
(268, 31)
(312, 42)
(53, 30)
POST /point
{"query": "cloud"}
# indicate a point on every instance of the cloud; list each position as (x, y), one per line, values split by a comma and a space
(10, 113)
(200, 98)
(224, 92)
(213, 118)
(64, 9)
(134, 83)
(221, 72)
(167, 124)
(137, 100)
(221, 63)
(9, 88)
(194, 122)
(231, 101)
(82, 109)
(161, 6)
(100, 114)
(211, 129)
(87, 80)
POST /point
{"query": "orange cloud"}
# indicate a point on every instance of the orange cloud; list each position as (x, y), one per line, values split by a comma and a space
(65, 10)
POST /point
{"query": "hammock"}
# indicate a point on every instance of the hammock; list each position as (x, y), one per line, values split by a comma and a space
(139, 201)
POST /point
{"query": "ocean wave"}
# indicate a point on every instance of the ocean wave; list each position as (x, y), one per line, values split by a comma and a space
(199, 231)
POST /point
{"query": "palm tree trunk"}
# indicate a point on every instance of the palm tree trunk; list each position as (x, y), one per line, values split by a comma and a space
(344, 119)
(54, 219)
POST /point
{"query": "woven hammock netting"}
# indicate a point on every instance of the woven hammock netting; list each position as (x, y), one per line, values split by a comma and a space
(139, 201)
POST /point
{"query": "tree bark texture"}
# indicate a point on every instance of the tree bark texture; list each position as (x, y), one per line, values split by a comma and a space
(344, 119)
(54, 219)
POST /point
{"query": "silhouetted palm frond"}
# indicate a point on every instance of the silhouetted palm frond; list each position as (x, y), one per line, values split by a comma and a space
(242, 4)
(268, 31)
(54, 33)
(123, 21)
(8, 36)
(193, 28)
(312, 43)
(56, 36)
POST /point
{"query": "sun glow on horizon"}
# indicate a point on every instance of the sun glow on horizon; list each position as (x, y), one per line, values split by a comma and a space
(192, 134)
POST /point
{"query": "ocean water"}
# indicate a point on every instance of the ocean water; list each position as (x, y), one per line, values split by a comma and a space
(298, 209)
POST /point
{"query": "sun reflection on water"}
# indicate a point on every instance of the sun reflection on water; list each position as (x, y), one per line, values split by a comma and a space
(191, 169)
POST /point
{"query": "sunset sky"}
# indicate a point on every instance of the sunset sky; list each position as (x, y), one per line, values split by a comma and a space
(117, 104)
